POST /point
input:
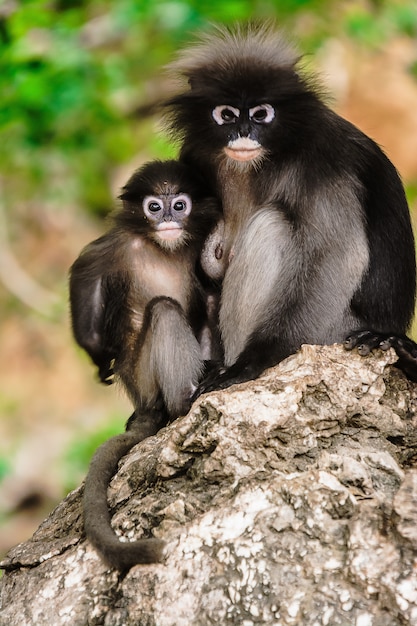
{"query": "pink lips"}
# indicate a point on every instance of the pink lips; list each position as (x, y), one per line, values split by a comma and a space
(169, 230)
(243, 149)
(242, 155)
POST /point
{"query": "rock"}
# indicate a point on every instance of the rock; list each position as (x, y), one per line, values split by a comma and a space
(288, 500)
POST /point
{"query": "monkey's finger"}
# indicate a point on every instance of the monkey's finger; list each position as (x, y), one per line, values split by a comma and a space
(376, 341)
(403, 346)
(366, 341)
(357, 339)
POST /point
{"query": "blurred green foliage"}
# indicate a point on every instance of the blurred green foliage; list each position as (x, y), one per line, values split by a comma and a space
(82, 448)
(78, 78)
(4, 467)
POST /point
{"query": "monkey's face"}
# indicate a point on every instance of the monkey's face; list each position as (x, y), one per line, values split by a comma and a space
(167, 215)
(167, 204)
(244, 130)
(243, 100)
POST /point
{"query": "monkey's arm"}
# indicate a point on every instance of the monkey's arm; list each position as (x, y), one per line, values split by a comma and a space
(89, 302)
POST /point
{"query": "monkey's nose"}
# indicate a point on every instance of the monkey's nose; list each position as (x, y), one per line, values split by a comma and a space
(244, 130)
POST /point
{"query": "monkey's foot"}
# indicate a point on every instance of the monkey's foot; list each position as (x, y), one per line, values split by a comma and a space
(406, 349)
(222, 377)
(209, 382)
(148, 422)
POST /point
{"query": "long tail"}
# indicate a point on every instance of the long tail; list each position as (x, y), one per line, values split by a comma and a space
(120, 555)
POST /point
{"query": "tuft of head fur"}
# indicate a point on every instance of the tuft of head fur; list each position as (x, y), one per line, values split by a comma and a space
(243, 66)
(222, 49)
(162, 177)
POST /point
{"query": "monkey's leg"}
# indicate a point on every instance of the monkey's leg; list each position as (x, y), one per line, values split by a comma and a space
(170, 357)
(251, 301)
(97, 516)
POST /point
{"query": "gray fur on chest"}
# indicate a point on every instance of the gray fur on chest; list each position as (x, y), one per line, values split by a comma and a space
(298, 252)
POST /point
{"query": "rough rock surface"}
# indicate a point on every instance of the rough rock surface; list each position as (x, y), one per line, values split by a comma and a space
(289, 500)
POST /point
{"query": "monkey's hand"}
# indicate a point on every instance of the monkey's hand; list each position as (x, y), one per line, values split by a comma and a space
(367, 340)
(106, 372)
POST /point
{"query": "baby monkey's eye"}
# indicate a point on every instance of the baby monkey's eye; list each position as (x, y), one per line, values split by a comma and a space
(152, 205)
(181, 204)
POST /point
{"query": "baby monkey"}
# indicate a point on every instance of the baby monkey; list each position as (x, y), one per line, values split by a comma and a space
(139, 309)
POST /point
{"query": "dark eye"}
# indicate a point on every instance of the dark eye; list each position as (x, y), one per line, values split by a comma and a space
(225, 114)
(262, 114)
(152, 205)
(181, 204)
(259, 116)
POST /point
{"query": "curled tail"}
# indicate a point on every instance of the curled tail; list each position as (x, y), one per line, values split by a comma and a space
(97, 518)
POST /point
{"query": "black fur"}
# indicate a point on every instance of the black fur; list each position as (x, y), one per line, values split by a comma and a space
(331, 184)
(138, 309)
(100, 280)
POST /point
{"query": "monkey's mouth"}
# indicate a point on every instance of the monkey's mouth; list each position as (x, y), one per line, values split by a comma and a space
(169, 230)
(243, 149)
(242, 155)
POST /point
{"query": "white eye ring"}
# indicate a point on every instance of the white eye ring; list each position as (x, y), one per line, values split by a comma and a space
(267, 109)
(184, 199)
(225, 114)
(148, 201)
